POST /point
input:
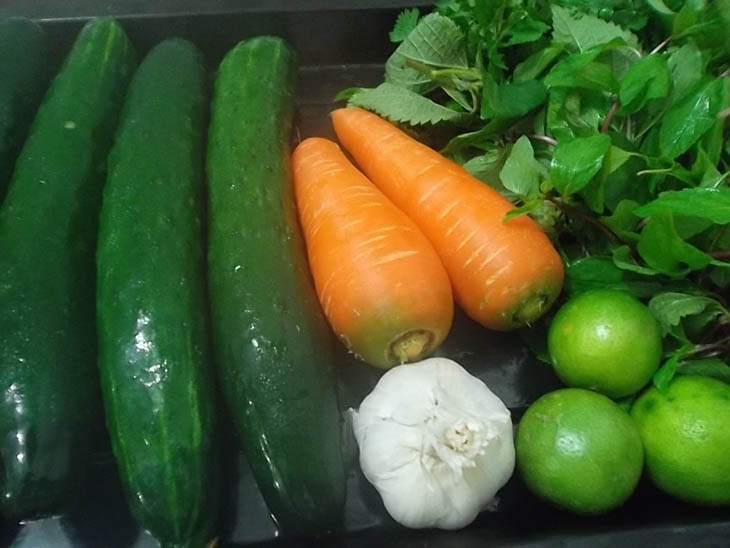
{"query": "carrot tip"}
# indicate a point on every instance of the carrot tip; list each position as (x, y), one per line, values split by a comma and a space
(532, 308)
(411, 346)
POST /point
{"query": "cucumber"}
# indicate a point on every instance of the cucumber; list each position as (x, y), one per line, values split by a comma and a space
(272, 344)
(48, 224)
(151, 311)
(24, 75)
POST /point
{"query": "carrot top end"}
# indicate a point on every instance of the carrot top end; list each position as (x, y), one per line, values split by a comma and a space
(411, 346)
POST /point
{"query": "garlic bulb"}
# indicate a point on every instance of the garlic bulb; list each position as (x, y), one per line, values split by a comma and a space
(435, 442)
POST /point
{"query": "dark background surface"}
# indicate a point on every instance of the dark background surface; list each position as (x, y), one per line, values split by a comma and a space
(341, 45)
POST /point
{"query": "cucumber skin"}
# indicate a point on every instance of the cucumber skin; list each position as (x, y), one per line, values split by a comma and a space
(48, 224)
(151, 309)
(273, 347)
(24, 75)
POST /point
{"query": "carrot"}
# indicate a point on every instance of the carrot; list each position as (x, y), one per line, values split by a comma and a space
(504, 275)
(381, 283)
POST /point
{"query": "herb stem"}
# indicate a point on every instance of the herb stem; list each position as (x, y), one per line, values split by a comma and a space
(660, 46)
(544, 139)
(628, 128)
(724, 113)
(576, 212)
(609, 117)
(726, 73)
(437, 74)
(720, 254)
(711, 349)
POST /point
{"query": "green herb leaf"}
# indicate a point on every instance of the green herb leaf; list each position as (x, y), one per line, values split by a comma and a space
(511, 100)
(665, 251)
(710, 367)
(660, 7)
(521, 171)
(647, 79)
(486, 167)
(580, 70)
(706, 203)
(404, 24)
(527, 207)
(535, 64)
(685, 65)
(582, 32)
(522, 28)
(690, 118)
(576, 162)
(670, 308)
(622, 259)
(401, 105)
(664, 375)
(601, 273)
(623, 221)
(476, 138)
(435, 42)
(615, 158)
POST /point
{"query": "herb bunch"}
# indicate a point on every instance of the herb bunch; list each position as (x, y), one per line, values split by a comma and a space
(605, 120)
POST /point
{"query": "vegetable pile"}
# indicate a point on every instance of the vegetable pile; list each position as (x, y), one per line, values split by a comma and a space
(580, 196)
(605, 122)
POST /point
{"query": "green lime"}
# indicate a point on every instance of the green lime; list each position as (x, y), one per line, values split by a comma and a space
(686, 435)
(579, 450)
(605, 340)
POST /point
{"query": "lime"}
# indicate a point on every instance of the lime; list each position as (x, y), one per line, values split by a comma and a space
(687, 438)
(605, 340)
(579, 450)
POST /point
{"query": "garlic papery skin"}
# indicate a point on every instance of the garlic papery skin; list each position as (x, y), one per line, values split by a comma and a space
(435, 442)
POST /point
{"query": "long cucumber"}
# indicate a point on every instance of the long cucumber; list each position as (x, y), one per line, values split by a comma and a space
(273, 346)
(153, 344)
(50, 401)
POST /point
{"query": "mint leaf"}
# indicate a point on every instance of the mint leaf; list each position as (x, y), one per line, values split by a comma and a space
(710, 367)
(601, 273)
(690, 118)
(665, 251)
(623, 221)
(520, 173)
(664, 375)
(523, 28)
(647, 79)
(660, 7)
(576, 162)
(622, 258)
(511, 100)
(615, 158)
(582, 32)
(535, 64)
(580, 70)
(404, 24)
(401, 105)
(435, 42)
(706, 203)
(486, 167)
(670, 308)
(525, 208)
(685, 65)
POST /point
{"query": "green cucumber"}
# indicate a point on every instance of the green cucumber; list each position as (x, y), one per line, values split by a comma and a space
(273, 346)
(24, 75)
(151, 310)
(48, 225)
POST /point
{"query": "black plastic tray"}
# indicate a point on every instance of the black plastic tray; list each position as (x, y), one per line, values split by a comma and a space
(341, 45)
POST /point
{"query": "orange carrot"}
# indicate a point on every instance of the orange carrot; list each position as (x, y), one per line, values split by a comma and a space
(381, 283)
(504, 275)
